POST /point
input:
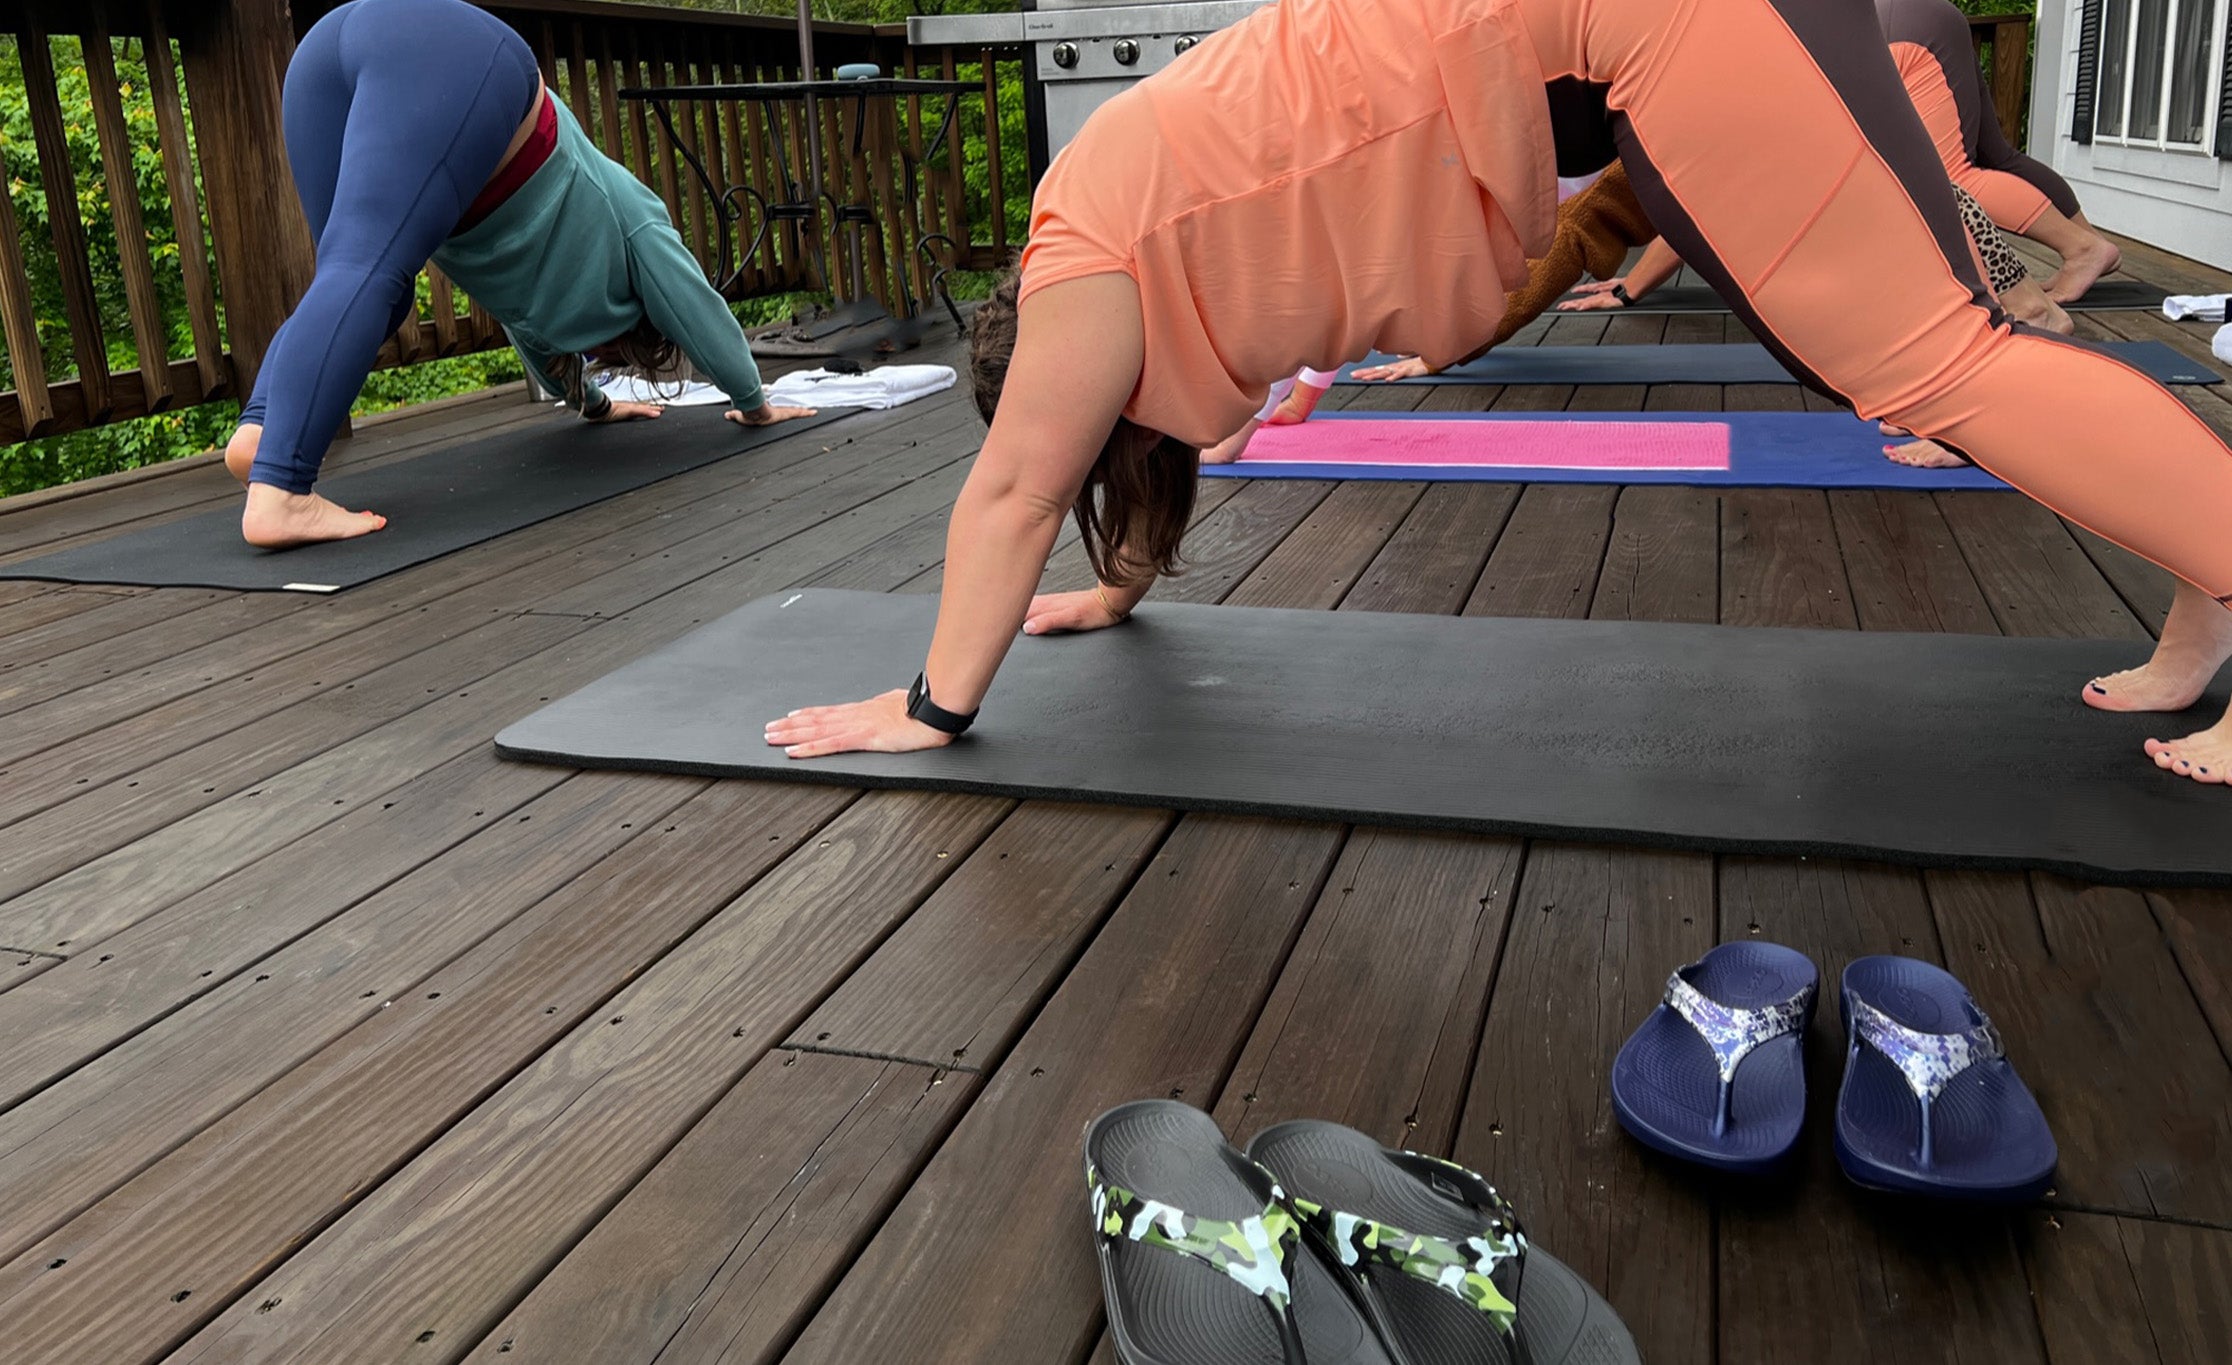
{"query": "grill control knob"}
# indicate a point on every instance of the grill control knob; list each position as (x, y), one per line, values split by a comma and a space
(1185, 45)
(1065, 55)
(1127, 52)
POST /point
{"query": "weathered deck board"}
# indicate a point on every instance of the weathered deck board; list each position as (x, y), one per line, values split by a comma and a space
(1222, 902)
(222, 1074)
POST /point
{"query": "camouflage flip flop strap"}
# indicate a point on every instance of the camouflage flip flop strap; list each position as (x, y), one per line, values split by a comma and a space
(1252, 1252)
(1466, 1268)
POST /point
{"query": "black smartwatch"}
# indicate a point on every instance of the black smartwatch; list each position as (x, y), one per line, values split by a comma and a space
(1619, 291)
(921, 708)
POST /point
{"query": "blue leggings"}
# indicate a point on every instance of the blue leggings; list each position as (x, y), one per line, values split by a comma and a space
(397, 114)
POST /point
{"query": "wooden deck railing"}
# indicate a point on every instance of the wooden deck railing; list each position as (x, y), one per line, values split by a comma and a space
(151, 244)
(2003, 45)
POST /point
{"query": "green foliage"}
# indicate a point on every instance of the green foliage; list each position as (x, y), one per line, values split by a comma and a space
(19, 162)
(149, 440)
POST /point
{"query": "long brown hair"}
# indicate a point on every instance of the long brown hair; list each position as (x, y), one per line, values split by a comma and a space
(1138, 496)
(643, 350)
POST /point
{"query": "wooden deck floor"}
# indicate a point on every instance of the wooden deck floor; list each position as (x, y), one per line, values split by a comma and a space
(327, 1037)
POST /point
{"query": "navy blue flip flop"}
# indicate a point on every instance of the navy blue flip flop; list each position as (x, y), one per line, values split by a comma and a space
(1930, 1104)
(1716, 1074)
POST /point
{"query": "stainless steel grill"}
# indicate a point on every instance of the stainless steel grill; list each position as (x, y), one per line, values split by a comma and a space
(1082, 53)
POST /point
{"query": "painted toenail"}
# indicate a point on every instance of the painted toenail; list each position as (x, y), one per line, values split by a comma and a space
(2101, 690)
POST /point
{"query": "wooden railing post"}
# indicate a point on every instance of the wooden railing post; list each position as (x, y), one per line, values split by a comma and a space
(236, 55)
(2008, 79)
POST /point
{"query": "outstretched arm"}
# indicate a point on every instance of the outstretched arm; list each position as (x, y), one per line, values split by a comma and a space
(1077, 359)
(1653, 268)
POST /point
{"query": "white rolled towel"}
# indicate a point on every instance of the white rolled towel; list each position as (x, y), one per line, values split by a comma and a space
(2222, 345)
(2199, 307)
(628, 388)
(887, 387)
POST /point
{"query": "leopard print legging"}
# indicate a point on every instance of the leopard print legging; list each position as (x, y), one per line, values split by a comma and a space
(2002, 266)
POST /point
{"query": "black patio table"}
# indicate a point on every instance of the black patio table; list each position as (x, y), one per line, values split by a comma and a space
(798, 203)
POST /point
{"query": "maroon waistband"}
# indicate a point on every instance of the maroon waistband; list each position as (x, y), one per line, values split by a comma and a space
(540, 144)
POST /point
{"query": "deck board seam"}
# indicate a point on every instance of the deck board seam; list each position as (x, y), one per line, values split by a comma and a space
(871, 1055)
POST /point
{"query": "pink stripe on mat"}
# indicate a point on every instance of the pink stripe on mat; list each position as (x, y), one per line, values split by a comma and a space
(1679, 446)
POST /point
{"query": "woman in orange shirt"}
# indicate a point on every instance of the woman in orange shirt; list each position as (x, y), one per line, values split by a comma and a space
(1330, 177)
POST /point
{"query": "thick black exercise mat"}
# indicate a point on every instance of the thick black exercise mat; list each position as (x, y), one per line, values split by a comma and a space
(1941, 749)
(1710, 363)
(2108, 296)
(435, 503)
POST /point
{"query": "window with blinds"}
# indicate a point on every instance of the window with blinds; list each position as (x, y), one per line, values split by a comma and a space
(2153, 73)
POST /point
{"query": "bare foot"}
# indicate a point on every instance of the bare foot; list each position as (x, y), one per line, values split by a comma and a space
(240, 451)
(277, 519)
(2196, 641)
(2204, 757)
(1923, 455)
(2082, 267)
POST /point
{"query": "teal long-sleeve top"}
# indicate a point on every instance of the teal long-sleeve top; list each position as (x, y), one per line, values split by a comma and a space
(584, 251)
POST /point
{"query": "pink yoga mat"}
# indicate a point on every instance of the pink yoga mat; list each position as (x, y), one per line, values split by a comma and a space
(1675, 446)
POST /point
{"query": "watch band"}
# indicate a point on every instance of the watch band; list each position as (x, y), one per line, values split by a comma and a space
(921, 708)
(1619, 291)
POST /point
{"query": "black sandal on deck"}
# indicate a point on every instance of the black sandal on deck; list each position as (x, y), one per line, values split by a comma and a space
(1201, 1260)
(1447, 1276)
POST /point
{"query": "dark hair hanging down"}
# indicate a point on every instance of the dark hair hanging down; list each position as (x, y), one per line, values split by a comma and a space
(643, 350)
(1139, 495)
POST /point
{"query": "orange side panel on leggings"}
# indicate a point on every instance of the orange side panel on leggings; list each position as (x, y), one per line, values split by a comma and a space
(2011, 201)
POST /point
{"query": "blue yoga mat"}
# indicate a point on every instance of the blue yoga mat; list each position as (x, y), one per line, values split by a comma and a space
(1736, 363)
(1766, 450)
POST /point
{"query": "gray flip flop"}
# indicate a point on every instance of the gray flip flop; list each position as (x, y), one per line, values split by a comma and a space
(1447, 1275)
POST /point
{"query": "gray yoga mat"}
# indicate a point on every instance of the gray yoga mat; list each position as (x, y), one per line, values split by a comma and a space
(1939, 749)
(435, 504)
(2108, 296)
(1732, 363)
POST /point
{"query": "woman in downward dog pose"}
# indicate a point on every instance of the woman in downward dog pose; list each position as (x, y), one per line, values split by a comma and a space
(420, 130)
(1371, 174)
(1937, 62)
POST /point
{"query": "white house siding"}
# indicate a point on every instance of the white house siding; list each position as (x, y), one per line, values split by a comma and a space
(2179, 201)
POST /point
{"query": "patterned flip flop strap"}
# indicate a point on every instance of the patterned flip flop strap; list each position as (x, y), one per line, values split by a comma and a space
(1252, 1252)
(1465, 1268)
(1734, 1031)
(1928, 1061)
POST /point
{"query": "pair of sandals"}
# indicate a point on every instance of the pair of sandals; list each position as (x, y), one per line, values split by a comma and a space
(1318, 1246)
(1930, 1104)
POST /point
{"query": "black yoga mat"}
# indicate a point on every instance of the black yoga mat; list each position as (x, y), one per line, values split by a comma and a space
(2108, 296)
(435, 503)
(1735, 363)
(1941, 749)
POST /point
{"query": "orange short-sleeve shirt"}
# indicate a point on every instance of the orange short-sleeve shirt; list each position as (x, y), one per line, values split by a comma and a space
(1325, 178)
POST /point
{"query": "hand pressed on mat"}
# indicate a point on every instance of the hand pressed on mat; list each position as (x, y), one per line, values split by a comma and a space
(1068, 613)
(766, 415)
(878, 725)
(617, 411)
(1409, 367)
